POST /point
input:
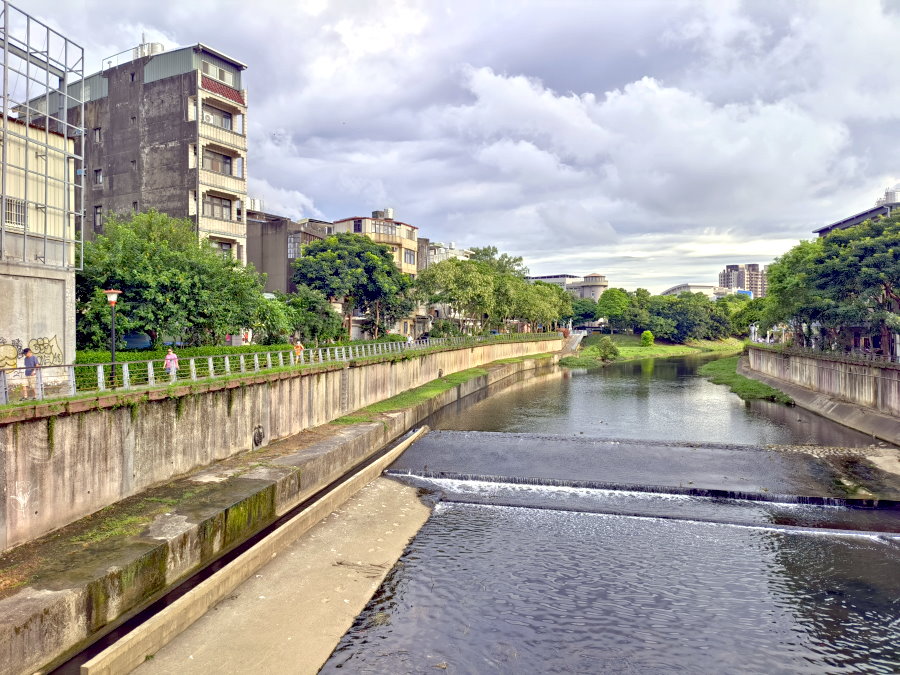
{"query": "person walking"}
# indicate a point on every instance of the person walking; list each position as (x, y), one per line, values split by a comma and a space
(31, 365)
(171, 363)
(298, 351)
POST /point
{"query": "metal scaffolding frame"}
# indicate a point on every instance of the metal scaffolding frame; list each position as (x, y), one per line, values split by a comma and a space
(43, 97)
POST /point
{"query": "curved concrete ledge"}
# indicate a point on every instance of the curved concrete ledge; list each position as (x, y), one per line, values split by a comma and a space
(66, 589)
(869, 421)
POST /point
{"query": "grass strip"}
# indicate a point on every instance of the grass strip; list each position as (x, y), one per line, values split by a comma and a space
(412, 397)
(724, 371)
(630, 349)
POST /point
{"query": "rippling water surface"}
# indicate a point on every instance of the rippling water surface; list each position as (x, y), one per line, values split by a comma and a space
(521, 590)
(537, 578)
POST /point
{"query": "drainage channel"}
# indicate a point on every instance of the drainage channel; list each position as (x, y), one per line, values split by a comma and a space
(133, 620)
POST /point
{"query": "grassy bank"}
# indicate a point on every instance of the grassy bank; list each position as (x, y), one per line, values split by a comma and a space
(723, 371)
(630, 348)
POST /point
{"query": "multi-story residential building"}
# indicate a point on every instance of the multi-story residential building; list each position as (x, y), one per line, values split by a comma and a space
(275, 242)
(750, 277)
(884, 207)
(401, 237)
(439, 252)
(589, 286)
(39, 194)
(167, 130)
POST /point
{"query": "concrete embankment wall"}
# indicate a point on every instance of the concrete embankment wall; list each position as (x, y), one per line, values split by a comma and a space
(67, 603)
(61, 462)
(863, 397)
(876, 387)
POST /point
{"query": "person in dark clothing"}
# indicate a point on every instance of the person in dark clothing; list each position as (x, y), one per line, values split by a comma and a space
(31, 365)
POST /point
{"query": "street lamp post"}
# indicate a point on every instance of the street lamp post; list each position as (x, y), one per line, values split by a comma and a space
(112, 297)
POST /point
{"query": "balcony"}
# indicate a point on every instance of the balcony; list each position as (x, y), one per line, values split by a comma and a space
(221, 181)
(223, 228)
(224, 137)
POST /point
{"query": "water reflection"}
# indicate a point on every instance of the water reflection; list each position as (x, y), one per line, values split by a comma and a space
(662, 399)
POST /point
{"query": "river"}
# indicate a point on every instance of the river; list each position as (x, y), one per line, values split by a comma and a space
(573, 531)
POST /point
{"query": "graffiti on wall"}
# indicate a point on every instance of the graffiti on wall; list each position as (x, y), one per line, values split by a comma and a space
(47, 350)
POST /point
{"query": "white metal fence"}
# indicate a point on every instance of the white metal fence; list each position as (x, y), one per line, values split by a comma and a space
(48, 382)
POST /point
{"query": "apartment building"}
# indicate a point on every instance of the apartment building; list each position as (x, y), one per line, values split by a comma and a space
(401, 237)
(39, 194)
(749, 277)
(275, 242)
(167, 130)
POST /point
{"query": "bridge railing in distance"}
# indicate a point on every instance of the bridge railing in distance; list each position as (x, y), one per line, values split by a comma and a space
(52, 382)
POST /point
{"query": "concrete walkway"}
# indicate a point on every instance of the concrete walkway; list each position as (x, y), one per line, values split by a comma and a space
(289, 617)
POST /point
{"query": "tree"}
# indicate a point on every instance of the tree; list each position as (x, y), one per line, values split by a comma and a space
(501, 263)
(647, 339)
(613, 305)
(172, 284)
(313, 318)
(354, 270)
(793, 297)
(583, 310)
(466, 286)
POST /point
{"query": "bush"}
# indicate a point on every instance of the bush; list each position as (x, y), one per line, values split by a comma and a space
(607, 349)
(646, 339)
(444, 328)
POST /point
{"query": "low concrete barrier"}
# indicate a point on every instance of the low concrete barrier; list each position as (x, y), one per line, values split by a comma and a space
(63, 461)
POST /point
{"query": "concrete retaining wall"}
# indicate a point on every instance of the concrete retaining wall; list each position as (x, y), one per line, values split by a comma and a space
(876, 387)
(63, 462)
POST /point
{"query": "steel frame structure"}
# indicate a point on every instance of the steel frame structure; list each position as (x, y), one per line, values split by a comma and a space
(42, 79)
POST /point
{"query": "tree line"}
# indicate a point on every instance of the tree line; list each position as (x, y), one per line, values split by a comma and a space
(175, 287)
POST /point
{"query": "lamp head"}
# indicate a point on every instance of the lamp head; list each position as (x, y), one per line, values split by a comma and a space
(112, 296)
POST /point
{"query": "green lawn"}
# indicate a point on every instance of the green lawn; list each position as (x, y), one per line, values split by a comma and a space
(724, 371)
(630, 348)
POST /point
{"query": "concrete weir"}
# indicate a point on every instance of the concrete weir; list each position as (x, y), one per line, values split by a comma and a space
(64, 590)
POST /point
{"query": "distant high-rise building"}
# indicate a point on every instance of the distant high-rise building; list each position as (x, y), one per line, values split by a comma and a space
(166, 130)
(749, 277)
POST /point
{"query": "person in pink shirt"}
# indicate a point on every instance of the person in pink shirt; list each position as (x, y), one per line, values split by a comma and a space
(171, 363)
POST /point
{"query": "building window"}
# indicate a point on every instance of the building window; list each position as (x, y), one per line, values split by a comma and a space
(98, 218)
(220, 74)
(16, 212)
(98, 176)
(226, 248)
(98, 134)
(295, 244)
(381, 227)
(134, 207)
(133, 164)
(217, 207)
(132, 77)
(214, 161)
(217, 117)
(357, 226)
(409, 257)
(133, 120)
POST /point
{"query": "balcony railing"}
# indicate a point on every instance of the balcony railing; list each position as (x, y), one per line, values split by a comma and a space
(223, 136)
(52, 382)
(232, 228)
(222, 181)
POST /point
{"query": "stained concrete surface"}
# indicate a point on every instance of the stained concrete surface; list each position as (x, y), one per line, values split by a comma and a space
(289, 617)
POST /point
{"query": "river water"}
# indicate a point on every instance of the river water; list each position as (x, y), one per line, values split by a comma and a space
(526, 566)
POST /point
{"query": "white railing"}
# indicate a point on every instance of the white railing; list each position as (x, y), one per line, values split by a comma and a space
(51, 382)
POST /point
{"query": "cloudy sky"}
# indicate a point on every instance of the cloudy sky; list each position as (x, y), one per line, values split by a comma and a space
(653, 141)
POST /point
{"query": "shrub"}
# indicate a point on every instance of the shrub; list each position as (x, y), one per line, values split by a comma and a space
(646, 339)
(606, 348)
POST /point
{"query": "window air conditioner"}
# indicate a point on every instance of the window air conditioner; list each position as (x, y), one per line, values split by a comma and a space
(208, 118)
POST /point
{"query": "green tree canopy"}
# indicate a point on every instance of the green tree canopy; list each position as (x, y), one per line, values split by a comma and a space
(314, 319)
(583, 310)
(503, 263)
(354, 270)
(613, 305)
(171, 283)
